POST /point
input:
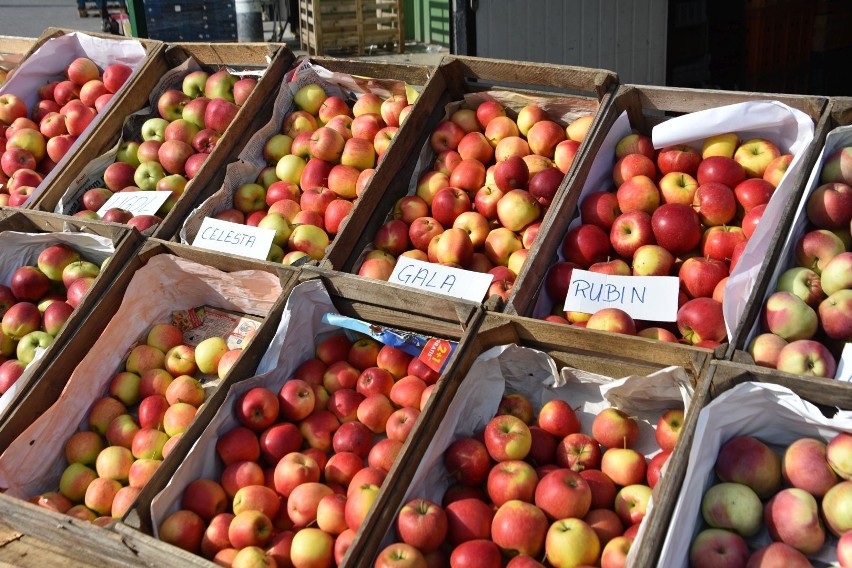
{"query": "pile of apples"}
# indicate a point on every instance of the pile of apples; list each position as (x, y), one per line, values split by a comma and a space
(32, 143)
(173, 145)
(481, 205)
(674, 212)
(532, 489)
(36, 304)
(795, 497)
(134, 427)
(303, 467)
(811, 308)
(317, 165)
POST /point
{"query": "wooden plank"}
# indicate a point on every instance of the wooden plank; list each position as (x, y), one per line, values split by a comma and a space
(16, 45)
(668, 488)
(826, 392)
(637, 351)
(495, 330)
(406, 303)
(32, 536)
(682, 100)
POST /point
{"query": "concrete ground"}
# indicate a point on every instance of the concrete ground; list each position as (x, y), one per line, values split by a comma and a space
(28, 18)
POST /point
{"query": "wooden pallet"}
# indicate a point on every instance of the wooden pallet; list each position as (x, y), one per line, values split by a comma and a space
(350, 25)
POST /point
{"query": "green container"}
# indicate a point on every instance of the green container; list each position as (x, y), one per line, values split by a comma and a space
(136, 12)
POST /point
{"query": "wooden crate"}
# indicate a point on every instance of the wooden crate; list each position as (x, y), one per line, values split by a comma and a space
(124, 240)
(646, 106)
(585, 90)
(350, 25)
(22, 429)
(276, 59)
(106, 122)
(12, 50)
(33, 536)
(351, 296)
(594, 352)
(16, 45)
(722, 376)
(251, 159)
(838, 113)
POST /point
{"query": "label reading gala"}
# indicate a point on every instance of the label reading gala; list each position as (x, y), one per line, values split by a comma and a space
(651, 298)
(234, 238)
(445, 280)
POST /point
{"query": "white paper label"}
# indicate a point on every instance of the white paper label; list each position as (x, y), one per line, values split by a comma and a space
(234, 238)
(445, 280)
(844, 366)
(137, 202)
(651, 298)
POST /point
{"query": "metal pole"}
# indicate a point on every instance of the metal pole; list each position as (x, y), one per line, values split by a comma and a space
(136, 12)
(249, 20)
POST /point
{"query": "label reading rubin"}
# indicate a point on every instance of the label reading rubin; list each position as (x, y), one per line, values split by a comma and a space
(137, 202)
(234, 238)
(455, 282)
(651, 298)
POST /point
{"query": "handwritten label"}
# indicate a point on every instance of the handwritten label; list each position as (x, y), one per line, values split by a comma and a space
(651, 298)
(844, 365)
(137, 202)
(234, 238)
(446, 280)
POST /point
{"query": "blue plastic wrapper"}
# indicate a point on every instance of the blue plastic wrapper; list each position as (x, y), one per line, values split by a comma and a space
(434, 352)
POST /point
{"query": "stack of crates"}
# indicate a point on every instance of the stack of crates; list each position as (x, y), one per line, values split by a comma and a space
(354, 26)
(191, 20)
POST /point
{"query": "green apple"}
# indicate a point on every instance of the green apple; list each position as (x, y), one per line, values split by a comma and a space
(283, 229)
(208, 353)
(310, 98)
(154, 129)
(290, 168)
(733, 506)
